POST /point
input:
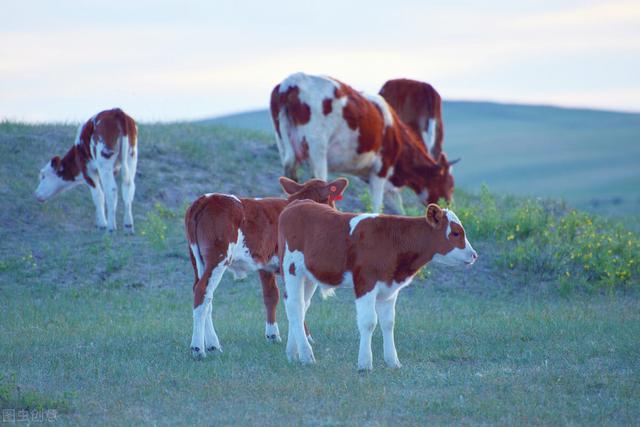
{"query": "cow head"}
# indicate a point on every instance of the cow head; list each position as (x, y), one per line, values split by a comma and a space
(452, 246)
(436, 181)
(55, 177)
(315, 189)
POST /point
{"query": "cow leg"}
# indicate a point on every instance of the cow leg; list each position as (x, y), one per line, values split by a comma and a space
(204, 334)
(287, 154)
(270, 296)
(376, 186)
(393, 199)
(318, 160)
(98, 200)
(128, 174)
(386, 310)
(297, 344)
(367, 320)
(309, 289)
(110, 191)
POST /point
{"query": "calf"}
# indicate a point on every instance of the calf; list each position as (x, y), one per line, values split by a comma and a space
(419, 105)
(377, 254)
(225, 232)
(104, 145)
(337, 129)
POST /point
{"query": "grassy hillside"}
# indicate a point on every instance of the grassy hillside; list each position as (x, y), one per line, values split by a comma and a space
(590, 158)
(97, 326)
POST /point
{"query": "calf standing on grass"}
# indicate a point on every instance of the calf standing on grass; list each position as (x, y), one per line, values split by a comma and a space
(225, 232)
(104, 145)
(377, 254)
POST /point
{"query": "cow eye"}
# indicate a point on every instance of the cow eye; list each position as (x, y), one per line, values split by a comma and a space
(455, 234)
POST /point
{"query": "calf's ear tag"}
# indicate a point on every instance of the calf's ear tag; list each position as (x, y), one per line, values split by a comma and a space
(332, 197)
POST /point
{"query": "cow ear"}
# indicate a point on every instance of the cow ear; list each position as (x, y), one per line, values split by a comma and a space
(434, 215)
(55, 163)
(289, 186)
(338, 186)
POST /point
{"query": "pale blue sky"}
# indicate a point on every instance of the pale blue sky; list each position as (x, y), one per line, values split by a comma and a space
(160, 60)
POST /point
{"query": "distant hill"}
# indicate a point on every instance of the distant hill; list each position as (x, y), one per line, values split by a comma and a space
(589, 157)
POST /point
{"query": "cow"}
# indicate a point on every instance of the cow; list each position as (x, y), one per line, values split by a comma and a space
(105, 145)
(376, 254)
(337, 129)
(419, 105)
(241, 234)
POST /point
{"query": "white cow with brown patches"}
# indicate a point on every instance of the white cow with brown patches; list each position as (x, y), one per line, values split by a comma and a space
(337, 129)
(105, 145)
(376, 254)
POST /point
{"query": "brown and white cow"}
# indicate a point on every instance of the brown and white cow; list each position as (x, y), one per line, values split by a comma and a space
(419, 105)
(226, 232)
(377, 254)
(104, 145)
(338, 129)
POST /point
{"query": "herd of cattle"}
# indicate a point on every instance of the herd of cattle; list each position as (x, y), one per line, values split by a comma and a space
(391, 140)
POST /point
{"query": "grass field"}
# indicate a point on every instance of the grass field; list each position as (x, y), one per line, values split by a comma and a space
(97, 326)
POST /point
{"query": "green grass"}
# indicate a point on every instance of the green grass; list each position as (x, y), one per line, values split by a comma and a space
(97, 326)
(470, 356)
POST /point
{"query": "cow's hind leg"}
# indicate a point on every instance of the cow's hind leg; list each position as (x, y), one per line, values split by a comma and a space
(386, 310)
(270, 296)
(318, 160)
(128, 175)
(204, 334)
(98, 200)
(105, 169)
(310, 287)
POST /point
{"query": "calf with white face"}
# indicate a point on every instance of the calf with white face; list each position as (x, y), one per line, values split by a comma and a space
(377, 254)
(104, 145)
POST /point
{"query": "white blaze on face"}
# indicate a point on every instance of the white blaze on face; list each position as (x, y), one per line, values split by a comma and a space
(50, 184)
(456, 256)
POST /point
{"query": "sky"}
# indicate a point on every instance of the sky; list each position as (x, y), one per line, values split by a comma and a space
(65, 60)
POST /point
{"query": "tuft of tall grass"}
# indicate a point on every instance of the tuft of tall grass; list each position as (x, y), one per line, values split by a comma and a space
(554, 242)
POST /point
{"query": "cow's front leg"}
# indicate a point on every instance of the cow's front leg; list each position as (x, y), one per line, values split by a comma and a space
(393, 199)
(367, 320)
(110, 192)
(376, 186)
(386, 310)
(98, 200)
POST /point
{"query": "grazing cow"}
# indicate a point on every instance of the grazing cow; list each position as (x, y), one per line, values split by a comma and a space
(337, 129)
(377, 254)
(104, 145)
(419, 105)
(225, 232)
